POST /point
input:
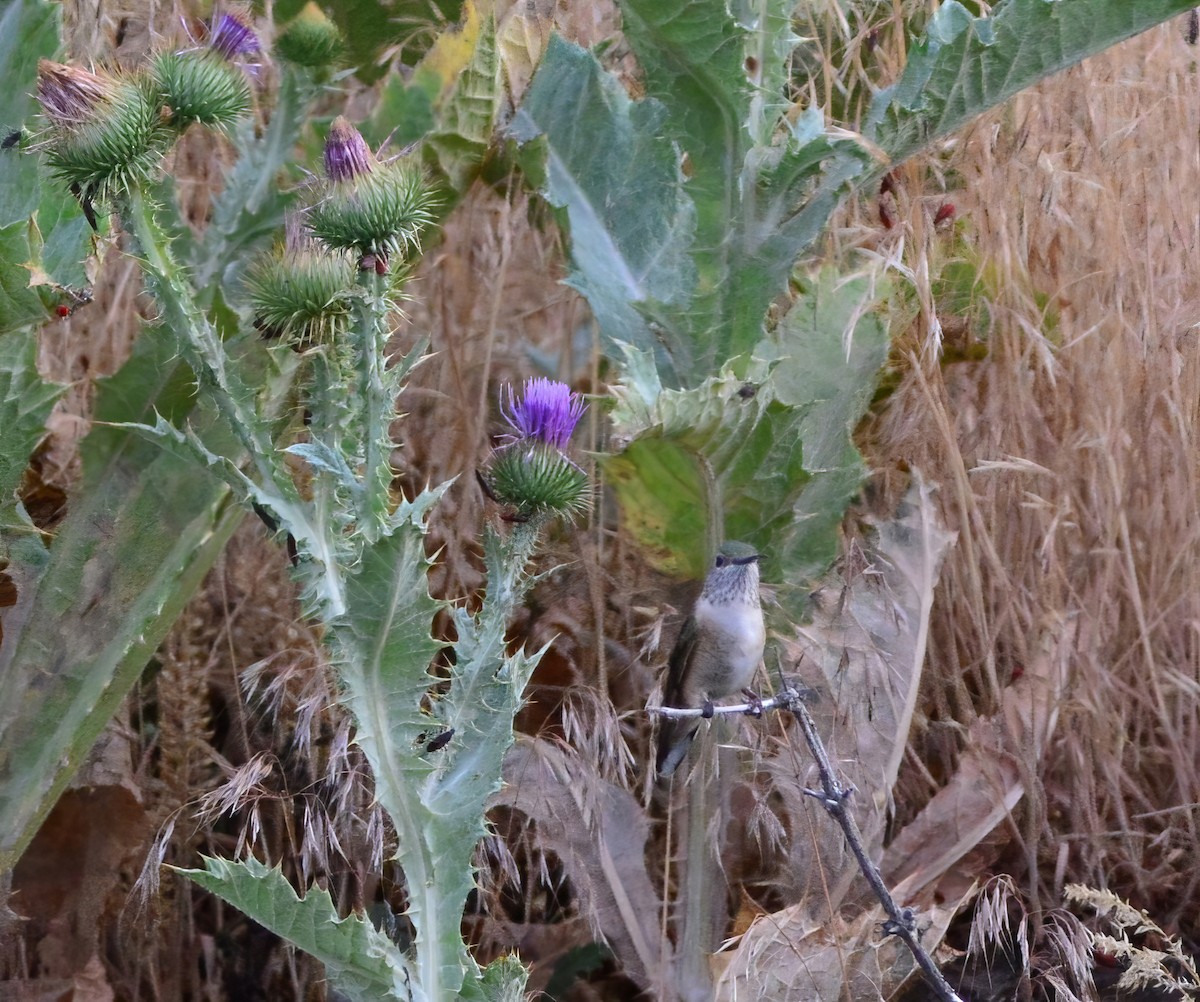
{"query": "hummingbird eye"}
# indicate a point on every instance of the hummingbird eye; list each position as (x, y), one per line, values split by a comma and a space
(721, 561)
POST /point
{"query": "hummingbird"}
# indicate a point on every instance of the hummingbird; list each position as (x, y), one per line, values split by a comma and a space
(718, 650)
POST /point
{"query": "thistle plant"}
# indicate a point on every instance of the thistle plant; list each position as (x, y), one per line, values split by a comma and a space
(333, 287)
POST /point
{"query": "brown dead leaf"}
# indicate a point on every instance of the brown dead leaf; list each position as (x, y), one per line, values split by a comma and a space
(790, 956)
(990, 780)
(599, 831)
(63, 882)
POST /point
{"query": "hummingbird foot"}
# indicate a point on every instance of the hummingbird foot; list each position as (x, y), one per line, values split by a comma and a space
(755, 702)
(708, 710)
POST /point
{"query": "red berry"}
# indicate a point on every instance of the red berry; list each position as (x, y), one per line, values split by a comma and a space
(63, 310)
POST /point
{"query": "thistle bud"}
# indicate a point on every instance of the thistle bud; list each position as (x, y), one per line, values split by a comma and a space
(532, 473)
(310, 39)
(299, 292)
(206, 85)
(373, 209)
(105, 131)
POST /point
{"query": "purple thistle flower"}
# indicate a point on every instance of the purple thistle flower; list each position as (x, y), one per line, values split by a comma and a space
(548, 411)
(233, 36)
(347, 155)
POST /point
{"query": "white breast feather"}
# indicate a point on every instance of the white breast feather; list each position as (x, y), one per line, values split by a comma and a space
(745, 636)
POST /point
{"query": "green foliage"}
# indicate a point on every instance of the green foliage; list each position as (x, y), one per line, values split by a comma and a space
(770, 447)
(362, 963)
(370, 27)
(139, 536)
(687, 212)
(632, 224)
(685, 269)
(25, 403)
(28, 32)
(452, 101)
(43, 235)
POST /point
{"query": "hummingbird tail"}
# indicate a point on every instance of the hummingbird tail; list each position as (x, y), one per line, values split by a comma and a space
(674, 740)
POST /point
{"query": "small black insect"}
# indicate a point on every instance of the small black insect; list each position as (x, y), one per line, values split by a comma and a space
(11, 140)
(439, 741)
(269, 520)
(747, 391)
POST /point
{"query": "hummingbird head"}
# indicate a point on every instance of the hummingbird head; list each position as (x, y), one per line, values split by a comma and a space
(734, 575)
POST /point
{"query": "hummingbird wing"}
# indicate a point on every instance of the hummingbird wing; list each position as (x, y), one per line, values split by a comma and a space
(675, 736)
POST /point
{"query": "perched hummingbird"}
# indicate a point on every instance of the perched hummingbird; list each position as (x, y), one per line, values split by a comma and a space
(718, 650)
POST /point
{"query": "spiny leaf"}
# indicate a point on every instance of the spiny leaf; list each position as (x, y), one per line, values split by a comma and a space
(631, 221)
(361, 962)
(966, 64)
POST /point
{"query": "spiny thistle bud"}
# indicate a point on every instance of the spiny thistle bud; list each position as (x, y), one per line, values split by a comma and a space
(206, 85)
(374, 209)
(310, 38)
(531, 473)
(105, 132)
(299, 292)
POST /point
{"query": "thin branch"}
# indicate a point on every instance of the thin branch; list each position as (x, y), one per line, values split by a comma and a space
(833, 797)
(784, 700)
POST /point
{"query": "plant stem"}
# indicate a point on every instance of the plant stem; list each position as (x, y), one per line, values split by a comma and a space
(377, 404)
(195, 339)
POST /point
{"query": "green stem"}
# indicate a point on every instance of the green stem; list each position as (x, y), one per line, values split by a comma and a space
(377, 403)
(196, 341)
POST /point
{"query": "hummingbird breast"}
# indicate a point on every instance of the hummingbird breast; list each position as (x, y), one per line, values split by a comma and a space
(732, 638)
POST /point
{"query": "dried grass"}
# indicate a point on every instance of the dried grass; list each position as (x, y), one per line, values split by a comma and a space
(1068, 459)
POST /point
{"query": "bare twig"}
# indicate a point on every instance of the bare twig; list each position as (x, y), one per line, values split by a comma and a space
(783, 700)
(833, 797)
